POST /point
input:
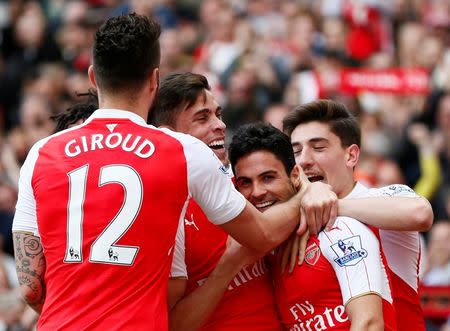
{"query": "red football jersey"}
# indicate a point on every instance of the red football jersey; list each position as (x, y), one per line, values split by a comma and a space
(339, 265)
(248, 304)
(402, 251)
(106, 198)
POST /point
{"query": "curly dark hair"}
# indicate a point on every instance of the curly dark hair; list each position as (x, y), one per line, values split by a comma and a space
(79, 111)
(256, 137)
(177, 91)
(126, 49)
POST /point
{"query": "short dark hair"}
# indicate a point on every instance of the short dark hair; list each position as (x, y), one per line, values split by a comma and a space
(126, 49)
(257, 137)
(79, 111)
(176, 92)
(340, 120)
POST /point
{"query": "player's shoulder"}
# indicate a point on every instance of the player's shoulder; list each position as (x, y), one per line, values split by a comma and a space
(194, 148)
(345, 223)
(395, 190)
(347, 242)
(344, 227)
(183, 138)
(42, 142)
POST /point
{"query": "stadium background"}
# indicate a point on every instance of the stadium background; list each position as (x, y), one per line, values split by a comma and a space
(388, 61)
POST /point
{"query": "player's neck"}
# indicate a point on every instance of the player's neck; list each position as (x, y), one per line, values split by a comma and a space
(135, 105)
(347, 189)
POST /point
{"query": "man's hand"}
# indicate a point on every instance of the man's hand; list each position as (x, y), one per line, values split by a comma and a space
(294, 250)
(319, 206)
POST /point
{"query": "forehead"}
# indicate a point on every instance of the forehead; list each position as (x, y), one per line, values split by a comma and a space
(254, 164)
(205, 100)
(304, 133)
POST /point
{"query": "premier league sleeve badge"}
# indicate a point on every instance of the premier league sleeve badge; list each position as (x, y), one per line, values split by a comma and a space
(349, 251)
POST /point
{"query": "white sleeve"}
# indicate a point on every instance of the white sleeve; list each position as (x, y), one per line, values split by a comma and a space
(178, 268)
(395, 190)
(402, 248)
(354, 253)
(210, 185)
(25, 218)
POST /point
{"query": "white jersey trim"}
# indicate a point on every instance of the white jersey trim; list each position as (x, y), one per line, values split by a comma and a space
(353, 251)
(220, 202)
(401, 248)
(179, 268)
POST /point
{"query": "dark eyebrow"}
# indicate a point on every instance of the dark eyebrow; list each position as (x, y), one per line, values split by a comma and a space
(268, 172)
(312, 140)
(318, 139)
(241, 178)
(203, 111)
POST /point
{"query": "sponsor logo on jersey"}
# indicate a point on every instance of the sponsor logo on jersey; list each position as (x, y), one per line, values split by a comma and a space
(312, 254)
(349, 251)
(307, 318)
(247, 274)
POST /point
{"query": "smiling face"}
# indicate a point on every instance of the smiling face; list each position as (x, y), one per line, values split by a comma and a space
(203, 120)
(323, 158)
(262, 179)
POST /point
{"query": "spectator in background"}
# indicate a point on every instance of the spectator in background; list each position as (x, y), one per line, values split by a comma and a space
(275, 113)
(437, 266)
(32, 45)
(279, 49)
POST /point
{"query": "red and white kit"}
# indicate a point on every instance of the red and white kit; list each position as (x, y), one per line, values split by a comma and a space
(248, 304)
(340, 264)
(402, 251)
(106, 198)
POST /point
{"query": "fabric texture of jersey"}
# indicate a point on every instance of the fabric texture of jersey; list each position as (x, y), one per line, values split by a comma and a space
(402, 251)
(105, 198)
(248, 304)
(339, 265)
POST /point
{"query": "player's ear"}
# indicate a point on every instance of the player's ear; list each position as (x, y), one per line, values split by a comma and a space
(295, 177)
(92, 76)
(352, 155)
(154, 79)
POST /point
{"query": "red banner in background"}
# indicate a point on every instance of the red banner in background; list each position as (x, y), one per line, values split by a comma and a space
(313, 85)
(435, 301)
(396, 80)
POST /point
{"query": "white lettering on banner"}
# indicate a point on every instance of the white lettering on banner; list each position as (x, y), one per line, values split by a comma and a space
(318, 322)
(129, 143)
(248, 273)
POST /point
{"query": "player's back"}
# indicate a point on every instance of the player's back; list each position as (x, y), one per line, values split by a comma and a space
(109, 195)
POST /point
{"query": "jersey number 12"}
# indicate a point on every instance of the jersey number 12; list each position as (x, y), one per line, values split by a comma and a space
(104, 248)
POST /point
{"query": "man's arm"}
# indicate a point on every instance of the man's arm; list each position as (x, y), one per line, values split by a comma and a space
(389, 213)
(365, 313)
(202, 302)
(30, 266)
(226, 207)
(262, 232)
(354, 253)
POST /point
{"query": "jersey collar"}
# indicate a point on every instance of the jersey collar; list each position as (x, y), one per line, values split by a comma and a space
(357, 191)
(118, 113)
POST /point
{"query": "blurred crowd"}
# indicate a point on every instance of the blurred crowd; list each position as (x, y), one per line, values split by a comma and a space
(261, 57)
